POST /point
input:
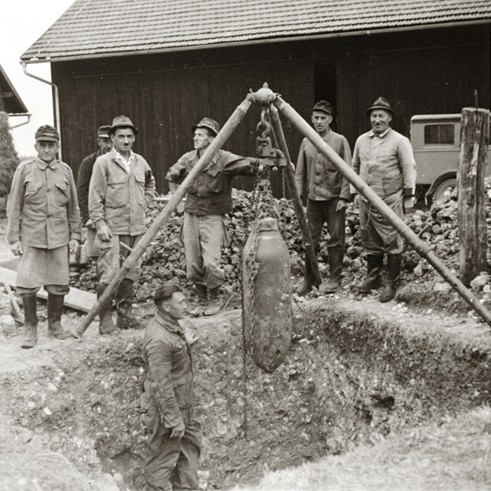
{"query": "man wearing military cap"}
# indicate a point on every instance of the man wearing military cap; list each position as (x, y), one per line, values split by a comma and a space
(43, 227)
(121, 188)
(208, 200)
(384, 160)
(328, 195)
(85, 171)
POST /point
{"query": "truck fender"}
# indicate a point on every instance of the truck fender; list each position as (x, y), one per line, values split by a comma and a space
(451, 174)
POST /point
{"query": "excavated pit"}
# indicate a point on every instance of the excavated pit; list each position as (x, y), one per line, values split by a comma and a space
(350, 377)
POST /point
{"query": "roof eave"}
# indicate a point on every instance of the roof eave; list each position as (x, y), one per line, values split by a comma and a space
(307, 37)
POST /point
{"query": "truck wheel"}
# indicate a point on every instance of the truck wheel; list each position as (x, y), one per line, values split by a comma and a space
(446, 185)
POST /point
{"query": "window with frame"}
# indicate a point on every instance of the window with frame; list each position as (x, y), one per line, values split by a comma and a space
(439, 134)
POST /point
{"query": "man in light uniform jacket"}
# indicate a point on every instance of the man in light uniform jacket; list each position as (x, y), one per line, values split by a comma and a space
(328, 195)
(43, 227)
(121, 188)
(384, 160)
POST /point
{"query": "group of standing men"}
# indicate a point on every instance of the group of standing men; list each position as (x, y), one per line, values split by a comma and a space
(115, 187)
(384, 160)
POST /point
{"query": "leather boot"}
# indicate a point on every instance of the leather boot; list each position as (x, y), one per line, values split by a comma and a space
(373, 280)
(215, 302)
(201, 293)
(106, 324)
(124, 306)
(308, 280)
(393, 274)
(30, 321)
(336, 256)
(55, 309)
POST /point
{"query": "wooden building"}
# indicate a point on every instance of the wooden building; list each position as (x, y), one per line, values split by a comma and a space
(10, 101)
(167, 64)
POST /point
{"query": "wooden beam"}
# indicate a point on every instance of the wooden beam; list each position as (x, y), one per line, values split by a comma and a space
(76, 299)
(474, 139)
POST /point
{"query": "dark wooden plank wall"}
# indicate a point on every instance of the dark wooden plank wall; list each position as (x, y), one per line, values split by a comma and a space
(420, 72)
(165, 103)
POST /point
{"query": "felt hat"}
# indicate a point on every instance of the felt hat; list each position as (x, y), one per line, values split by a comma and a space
(209, 124)
(381, 103)
(103, 131)
(122, 122)
(323, 106)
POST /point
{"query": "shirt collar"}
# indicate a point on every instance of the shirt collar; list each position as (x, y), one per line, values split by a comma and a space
(42, 164)
(168, 323)
(117, 156)
(371, 134)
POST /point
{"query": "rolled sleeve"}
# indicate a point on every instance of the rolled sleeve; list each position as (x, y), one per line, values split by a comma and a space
(159, 357)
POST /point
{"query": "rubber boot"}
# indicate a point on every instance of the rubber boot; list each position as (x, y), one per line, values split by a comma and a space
(106, 324)
(308, 280)
(336, 256)
(30, 321)
(373, 280)
(215, 302)
(124, 306)
(393, 274)
(55, 309)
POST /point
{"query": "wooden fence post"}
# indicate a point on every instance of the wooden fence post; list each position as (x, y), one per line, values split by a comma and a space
(473, 159)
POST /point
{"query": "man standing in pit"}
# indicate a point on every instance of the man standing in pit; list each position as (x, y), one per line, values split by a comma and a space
(168, 400)
(328, 195)
(208, 200)
(43, 227)
(384, 160)
(121, 188)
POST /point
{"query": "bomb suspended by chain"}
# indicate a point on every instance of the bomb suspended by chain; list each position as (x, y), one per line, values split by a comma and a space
(267, 295)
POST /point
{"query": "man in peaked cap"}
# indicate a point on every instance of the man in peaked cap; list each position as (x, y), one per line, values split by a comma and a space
(121, 188)
(43, 227)
(85, 171)
(208, 200)
(384, 160)
(328, 195)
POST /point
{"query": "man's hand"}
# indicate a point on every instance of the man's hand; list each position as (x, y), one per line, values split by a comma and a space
(178, 431)
(17, 249)
(341, 205)
(104, 233)
(408, 204)
(72, 246)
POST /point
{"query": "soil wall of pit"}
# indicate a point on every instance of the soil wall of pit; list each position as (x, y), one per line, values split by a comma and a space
(350, 377)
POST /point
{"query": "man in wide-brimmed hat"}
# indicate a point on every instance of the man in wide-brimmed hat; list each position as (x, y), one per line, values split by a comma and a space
(43, 227)
(385, 161)
(121, 187)
(208, 200)
(328, 195)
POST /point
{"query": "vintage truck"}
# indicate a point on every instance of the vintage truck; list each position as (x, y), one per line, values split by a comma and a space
(436, 143)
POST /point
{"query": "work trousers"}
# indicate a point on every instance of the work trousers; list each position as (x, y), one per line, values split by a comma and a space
(378, 235)
(321, 212)
(203, 238)
(112, 256)
(173, 462)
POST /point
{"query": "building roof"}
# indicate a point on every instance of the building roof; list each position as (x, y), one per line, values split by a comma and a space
(11, 99)
(94, 28)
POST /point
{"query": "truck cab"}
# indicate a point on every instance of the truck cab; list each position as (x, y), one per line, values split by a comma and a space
(435, 139)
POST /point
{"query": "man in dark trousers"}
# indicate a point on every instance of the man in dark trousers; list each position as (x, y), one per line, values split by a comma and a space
(328, 195)
(121, 188)
(168, 400)
(207, 202)
(384, 160)
(43, 227)
(85, 171)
